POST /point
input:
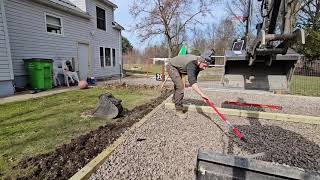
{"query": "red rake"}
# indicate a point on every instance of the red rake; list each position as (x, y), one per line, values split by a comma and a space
(254, 105)
(235, 130)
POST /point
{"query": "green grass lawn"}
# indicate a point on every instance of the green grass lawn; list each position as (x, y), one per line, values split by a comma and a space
(37, 126)
(305, 85)
(150, 69)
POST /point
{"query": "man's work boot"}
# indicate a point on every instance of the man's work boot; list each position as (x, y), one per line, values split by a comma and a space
(181, 114)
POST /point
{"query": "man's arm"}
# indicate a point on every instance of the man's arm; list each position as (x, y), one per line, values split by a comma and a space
(192, 78)
(199, 91)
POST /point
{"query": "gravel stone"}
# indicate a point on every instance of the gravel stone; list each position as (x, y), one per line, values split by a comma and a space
(299, 105)
(170, 145)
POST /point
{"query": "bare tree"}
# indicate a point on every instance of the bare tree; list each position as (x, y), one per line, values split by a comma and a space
(238, 10)
(170, 19)
(225, 35)
(309, 19)
(204, 39)
(309, 14)
(156, 51)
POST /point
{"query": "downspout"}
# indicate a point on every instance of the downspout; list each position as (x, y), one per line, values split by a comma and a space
(120, 55)
(6, 33)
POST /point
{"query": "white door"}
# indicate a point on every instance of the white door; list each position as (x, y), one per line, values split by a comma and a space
(83, 55)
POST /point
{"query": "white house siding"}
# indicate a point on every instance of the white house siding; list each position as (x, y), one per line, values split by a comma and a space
(6, 73)
(29, 38)
(109, 39)
(5, 57)
(80, 4)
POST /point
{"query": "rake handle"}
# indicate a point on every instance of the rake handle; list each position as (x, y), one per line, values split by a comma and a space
(235, 130)
(216, 110)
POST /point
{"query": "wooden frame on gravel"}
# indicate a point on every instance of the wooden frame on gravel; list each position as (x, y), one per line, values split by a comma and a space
(252, 114)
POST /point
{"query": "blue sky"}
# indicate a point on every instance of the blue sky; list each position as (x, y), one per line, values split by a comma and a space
(123, 17)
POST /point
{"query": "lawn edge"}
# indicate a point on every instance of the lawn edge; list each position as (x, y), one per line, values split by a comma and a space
(252, 114)
(95, 163)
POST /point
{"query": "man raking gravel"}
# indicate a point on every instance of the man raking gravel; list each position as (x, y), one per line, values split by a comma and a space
(189, 65)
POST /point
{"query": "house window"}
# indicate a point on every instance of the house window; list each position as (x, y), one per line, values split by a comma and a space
(101, 18)
(102, 57)
(114, 57)
(53, 24)
(108, 56)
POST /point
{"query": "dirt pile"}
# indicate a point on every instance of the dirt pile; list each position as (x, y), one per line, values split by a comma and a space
(67, 159)
(125, 85)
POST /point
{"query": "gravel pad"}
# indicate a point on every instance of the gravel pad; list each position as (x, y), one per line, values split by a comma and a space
(299, 105)
(165, 147)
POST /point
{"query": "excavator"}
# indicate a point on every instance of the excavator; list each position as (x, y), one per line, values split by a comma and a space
(267, 61)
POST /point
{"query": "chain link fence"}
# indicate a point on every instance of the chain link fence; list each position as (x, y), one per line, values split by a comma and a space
(306, 78)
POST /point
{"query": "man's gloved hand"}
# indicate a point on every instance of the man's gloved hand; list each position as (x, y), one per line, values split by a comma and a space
(205, 98)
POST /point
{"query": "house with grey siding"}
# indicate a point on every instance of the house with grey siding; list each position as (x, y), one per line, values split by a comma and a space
(83, 31)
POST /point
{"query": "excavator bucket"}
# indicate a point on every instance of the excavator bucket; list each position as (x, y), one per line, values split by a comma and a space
(261, 75)
(212, 165)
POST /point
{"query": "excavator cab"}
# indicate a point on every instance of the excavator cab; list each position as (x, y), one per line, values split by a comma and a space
(266, 62)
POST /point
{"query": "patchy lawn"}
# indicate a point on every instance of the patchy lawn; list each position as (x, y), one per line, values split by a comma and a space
(37, 126)
(305, 85)
(150, 69)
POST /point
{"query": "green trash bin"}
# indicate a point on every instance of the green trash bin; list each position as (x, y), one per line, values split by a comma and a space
(39, 73)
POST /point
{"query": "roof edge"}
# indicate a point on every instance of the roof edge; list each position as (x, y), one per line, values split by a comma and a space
(107, 2)
(63, 8)
(117, 26)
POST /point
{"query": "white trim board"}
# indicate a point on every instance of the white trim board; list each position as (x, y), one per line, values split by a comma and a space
(8, 47)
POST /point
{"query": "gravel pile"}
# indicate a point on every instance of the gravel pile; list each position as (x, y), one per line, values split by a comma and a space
(165, 147)
(299, 105)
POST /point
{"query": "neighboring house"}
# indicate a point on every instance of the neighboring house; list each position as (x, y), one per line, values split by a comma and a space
(83, 31)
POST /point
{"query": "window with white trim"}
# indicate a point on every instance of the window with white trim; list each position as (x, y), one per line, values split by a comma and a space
(108, 56)
(101, 18)
(113, 57)
(105, 56)
(53, 24)
(102, 56)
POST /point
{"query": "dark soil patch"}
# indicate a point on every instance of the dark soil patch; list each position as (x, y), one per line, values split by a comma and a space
(68, 159)
(230, 106)
(280, 145)
(133, 87)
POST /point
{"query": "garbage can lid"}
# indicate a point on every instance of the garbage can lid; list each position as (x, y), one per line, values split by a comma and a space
(38, 59)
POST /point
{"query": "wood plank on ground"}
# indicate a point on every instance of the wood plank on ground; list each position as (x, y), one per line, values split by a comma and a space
(252, 114)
